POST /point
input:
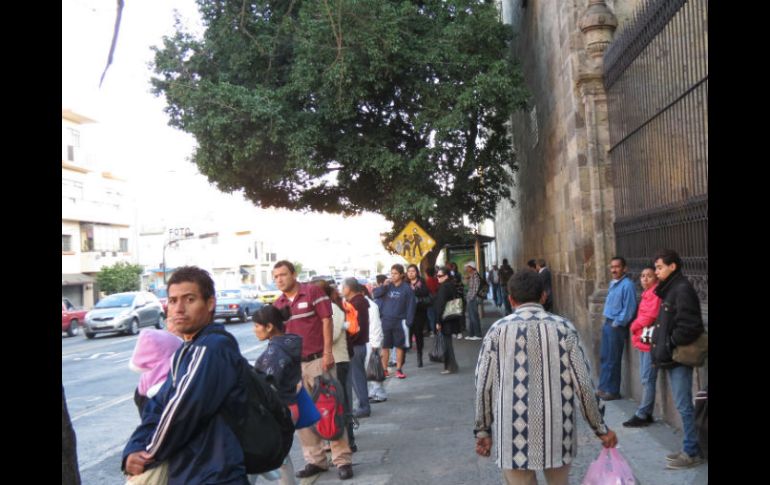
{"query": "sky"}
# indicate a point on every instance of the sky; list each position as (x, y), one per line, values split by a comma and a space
(132, 138)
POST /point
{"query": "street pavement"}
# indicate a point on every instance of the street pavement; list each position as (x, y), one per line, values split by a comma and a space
(421, 435)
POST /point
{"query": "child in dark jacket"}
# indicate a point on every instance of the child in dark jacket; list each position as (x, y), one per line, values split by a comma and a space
(282, 360)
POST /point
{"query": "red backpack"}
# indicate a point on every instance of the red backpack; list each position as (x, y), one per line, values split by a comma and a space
(327, 395)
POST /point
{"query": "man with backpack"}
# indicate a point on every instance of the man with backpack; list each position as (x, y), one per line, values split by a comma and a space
(184, 427)
(311, 319)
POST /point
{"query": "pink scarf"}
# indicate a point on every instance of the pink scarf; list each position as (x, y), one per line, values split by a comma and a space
(152, 357)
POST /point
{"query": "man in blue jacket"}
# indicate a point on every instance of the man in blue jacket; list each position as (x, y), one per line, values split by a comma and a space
(182, 425)
(397, 306)
(619, 310)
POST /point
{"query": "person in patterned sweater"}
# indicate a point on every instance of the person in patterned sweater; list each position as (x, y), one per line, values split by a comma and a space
(530, 369)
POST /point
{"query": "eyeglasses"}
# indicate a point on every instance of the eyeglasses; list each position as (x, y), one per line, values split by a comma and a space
(440, 275)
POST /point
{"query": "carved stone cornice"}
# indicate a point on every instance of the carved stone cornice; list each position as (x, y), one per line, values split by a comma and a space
(598, 23)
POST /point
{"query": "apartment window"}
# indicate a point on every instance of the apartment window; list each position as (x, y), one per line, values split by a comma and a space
(70, 153)
(272, 257)
(86, 237)
(74, 137)
(66, 242)
(71, 189)
(123, 245)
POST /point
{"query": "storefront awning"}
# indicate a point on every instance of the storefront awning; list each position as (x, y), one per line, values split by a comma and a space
(68, 279)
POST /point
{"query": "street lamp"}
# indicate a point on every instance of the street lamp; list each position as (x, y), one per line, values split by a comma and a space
(188, 235)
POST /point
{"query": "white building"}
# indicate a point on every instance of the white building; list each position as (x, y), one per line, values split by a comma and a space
(98, 214)
(233, 257)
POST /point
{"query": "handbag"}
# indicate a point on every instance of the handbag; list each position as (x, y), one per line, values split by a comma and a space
(153, 476)
(693, 354)
(439, 348)
(453, 308)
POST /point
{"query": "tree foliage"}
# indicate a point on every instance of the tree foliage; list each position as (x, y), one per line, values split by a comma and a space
(397, 107)
(121, 276)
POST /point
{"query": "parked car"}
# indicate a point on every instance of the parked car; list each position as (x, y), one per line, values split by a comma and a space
(250, 291)
(71, 318)
(232, 304)
(162, 294)
(125, 312)
(268, 293)
(323, 277)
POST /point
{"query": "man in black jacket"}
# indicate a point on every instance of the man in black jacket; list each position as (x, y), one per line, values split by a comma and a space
(505, 274)
(679, 323)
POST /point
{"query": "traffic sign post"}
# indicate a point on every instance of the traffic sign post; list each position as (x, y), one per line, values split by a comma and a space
(412, 243)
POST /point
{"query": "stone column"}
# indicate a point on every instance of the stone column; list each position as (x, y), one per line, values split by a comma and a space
(598, 24)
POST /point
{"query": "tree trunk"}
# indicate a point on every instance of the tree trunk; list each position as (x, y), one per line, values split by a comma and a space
(70, 475)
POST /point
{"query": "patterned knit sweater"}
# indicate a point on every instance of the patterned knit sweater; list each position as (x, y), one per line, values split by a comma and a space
(531, 368)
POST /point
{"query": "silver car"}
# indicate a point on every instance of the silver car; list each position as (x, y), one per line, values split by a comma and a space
(125, 312)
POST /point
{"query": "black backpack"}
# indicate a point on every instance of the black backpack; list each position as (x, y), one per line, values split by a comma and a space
(266, 431)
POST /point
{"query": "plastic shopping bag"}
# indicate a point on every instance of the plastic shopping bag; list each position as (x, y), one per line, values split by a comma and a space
(610, 468)
(374, 369)
(439, 349)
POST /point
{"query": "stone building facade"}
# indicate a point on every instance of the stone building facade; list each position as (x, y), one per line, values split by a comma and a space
(565, 209)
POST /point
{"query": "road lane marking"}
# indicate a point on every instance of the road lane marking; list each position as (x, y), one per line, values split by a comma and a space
(102, 407)
(90, 346)
(251, 349)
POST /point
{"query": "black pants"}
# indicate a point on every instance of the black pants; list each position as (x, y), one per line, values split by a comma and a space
(418, 330)
(342, 376)
(450, 362)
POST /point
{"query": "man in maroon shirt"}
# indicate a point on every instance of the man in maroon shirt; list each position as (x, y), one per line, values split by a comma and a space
(311, 318)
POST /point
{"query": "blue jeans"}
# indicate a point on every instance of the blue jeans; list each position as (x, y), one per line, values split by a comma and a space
(475, 321)
(613, 341)
(506, 302)
(497, 292)
(357, 379)
(649, 375)
(681, 388)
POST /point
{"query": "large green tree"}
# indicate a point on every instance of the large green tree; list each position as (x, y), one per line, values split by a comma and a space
(397, 107)
(121, 276)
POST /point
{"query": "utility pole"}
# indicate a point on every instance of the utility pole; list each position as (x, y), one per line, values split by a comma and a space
(187, 235)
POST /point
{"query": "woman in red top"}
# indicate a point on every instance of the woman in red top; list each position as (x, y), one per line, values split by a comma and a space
(432, 283)
(645, 318)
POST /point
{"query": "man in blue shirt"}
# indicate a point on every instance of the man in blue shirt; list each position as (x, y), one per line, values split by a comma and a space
(619, 310)
(397, 306)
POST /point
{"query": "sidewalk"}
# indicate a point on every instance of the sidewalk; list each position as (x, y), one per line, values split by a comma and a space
(423, 434)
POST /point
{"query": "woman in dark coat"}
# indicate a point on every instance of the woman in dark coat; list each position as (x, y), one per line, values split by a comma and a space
(421, 313)
(446, 292)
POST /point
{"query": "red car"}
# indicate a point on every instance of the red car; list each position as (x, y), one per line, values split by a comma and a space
(71, 318)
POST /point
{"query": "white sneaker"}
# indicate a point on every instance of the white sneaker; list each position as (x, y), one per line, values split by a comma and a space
(468, 337)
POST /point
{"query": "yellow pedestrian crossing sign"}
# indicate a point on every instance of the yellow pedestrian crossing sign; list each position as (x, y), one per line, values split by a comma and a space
(413, 243)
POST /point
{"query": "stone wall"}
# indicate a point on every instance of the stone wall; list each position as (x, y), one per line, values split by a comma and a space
(564, 201)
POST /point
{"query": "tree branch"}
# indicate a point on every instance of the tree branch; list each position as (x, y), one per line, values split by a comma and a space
(114, 40)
